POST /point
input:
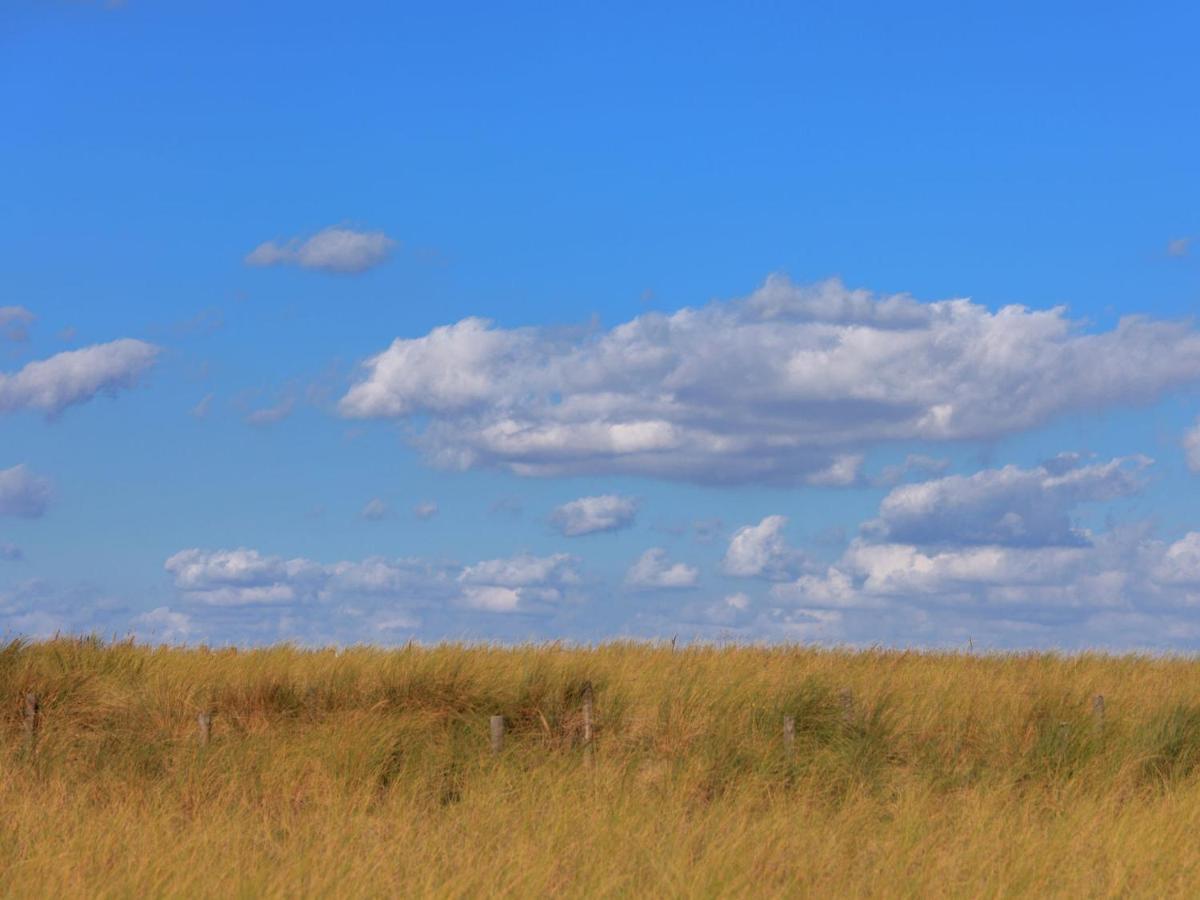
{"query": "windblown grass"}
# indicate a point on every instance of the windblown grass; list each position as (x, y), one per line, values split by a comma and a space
(366, 772)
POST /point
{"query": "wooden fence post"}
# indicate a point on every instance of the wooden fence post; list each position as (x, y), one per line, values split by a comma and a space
(204, 720)
(789, 733)
(33, 719)
(497, 726)
(1098, 712)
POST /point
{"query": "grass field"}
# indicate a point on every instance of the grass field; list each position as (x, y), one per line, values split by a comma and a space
(366, 772)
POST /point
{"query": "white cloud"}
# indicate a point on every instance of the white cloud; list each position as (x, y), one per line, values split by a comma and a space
(995, 555)
(14, 323)
(842, 471)
(653, 570)
(246, 578)
(23, 494)
(761, 551)
(519, 583)
(789, 384)
(1180, 562)
(425, 510)
(607, 512)
(1191, 447)
(76, 376)
(333, 249)
(10, 552)
(1009, 506)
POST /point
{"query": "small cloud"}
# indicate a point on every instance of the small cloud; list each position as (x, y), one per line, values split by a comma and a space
(842, 472)
(76, 376)
(23, 494)
(67, 334)
(271, 414)
(10, 552)
(760, 551)
(14, 323)
(587, 515)
(425, 510)
(334, 249)
(653, 570)
(375, 510)
(1179, 247)
(202, 409)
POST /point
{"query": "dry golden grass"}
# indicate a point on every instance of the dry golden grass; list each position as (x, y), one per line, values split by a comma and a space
(366, 772)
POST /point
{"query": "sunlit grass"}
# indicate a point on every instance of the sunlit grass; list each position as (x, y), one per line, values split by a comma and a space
(367, 772)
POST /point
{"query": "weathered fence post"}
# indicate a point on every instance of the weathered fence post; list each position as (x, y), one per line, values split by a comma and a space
(789, 733)
(847, 698)
(587, 716)
(204, 720)
(497, 726)
(33, 719)
(1098, 713)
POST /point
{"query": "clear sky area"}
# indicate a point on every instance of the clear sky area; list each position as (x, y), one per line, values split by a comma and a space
(375, 322)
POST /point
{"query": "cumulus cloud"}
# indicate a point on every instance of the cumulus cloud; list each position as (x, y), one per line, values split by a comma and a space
(790, 384)
(653, 570)
(519, 583)
(1191, 447)
(761, 551)
(425, 510)
(1009, 506)
(607, 512)
(995, 554)
(247, 578)
(23, 494)
(14, 323)
(76, 376)
(333, 249)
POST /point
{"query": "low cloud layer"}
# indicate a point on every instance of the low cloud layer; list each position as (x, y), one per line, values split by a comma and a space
(76, 376)
(247, 578)
(791, 384)
(996, 554)
(23, 494)
(587, 515)
(334, 249)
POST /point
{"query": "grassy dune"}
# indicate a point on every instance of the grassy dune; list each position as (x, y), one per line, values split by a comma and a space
(368, 773)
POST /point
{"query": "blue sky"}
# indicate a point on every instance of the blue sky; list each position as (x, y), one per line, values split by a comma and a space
(856, 324)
